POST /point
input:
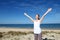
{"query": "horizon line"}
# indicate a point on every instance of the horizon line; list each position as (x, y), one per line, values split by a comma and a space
(32, 23)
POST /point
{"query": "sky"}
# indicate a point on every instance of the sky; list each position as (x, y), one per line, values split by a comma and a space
(12, 11)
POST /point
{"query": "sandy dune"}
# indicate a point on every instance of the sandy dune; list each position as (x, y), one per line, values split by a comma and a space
(27, 34)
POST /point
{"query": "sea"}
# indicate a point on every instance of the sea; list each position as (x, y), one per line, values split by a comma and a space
(43, 26)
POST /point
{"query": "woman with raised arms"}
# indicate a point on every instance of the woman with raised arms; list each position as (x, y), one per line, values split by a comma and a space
(37, 22)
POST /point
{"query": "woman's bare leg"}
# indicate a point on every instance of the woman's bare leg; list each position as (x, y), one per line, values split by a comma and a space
(35, 36)
(40, 36)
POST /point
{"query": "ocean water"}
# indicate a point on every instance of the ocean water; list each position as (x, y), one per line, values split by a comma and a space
(47, 26)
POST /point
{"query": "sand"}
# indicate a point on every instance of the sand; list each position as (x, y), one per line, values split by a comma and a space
(25, 29)
(15, 29)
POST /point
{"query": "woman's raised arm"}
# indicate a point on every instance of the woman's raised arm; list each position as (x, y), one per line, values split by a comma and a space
(29, 17)
(45, 14)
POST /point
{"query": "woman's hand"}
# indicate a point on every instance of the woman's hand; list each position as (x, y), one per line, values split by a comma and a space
(49, 9)
(25, 13)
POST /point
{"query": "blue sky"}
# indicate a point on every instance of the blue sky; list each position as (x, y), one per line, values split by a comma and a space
(12, 11)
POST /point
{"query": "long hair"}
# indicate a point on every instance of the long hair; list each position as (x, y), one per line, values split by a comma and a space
(38, 16)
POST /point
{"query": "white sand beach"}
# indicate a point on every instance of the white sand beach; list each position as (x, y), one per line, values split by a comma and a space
(15, 29)
(2, 29)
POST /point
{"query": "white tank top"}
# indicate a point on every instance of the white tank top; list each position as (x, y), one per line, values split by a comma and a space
(37, 29)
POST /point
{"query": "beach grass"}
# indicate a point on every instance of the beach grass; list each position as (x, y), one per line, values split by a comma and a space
(27, 34)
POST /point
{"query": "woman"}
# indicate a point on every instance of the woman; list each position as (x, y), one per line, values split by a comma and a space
(37, 22)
